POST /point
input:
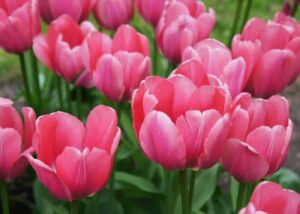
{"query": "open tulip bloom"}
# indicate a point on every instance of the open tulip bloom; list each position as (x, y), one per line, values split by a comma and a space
(19, 23)
(74, 161)
(15, 139)
(259, 139)
(272, 53)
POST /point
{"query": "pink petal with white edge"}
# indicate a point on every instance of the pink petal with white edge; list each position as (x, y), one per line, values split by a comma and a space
(29, 125)
(214, 143)
(243, 162)
(239, 123)
(10, 150)
(50, 180)
(54, 132)
(162, 142)
(206, 22)
(42, 51)
(195, 127)
(273, 72)
(109, 68)
(277, 111)
(101, 129)
(4, 102)
(253, 29)
(10, 118)
(234, 75)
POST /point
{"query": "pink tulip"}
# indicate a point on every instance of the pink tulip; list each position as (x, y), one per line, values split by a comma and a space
(216, 60)
(60, 49)
(151, 10)
(113, 13)
(119, 73)
(269, 197)
(178, 123)
(272, 53)
(258, 143)
(74, 161)
(19, 23)
(93, 47)
(15, 139)
(183, 24)
(78, 9)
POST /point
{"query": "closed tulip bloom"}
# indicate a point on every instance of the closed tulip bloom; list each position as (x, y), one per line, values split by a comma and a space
(119, 73)
(78, 9)
(15, 139)
(216, 59)
(112, 13)
(60, 49)
(271, 198)
(178, 124)
(183, 24)
(19, 23)
(151, 10)
(259, 140)
(93, 47)
(74, 161)
(272, 53)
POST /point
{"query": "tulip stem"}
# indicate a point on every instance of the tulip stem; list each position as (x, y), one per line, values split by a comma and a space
(154, 57)
(78, 102)
(4, 197)
(192, 184)
(184, 191)
(36, 79)
(242, 196)
(246, 15)
(236, 20)
(74, 207)
(173, 200)
(68, 97)
(112, 189)
(25, 79)
(59, 93)
(295, 9)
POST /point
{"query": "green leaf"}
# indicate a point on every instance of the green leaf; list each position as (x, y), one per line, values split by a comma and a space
(234, 191)
(205, 186)
(137, 182)
(287, 179)
(45, 203)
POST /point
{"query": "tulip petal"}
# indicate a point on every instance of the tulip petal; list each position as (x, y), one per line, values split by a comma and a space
(253, 29)
(29, 125)
(10, 150)
(243, 162)
(10, 118)
(162, 142)
(277, 111)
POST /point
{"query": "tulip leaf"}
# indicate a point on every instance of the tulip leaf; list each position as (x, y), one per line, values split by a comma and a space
(137, 182)
(234, 190)
(45, 203)
(205, 186)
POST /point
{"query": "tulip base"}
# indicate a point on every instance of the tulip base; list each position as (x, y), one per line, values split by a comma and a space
(4, 197)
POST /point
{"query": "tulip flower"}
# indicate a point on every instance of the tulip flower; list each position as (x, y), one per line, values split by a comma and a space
(119, 73)
(74, 161)
(60, 49)
(269, 197)
(113, 13)
(216, 59)
(93, 47)
(78, 9)
(19, 23)
(183, 24)
(151, 10)
(15, 139)
(259, 140)
(272, 53)
(180, 122)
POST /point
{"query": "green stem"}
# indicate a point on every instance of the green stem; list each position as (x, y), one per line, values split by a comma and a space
(174, 195)
(242, 196)
(4, 197)
(184, 191)
(25, 79)
(236, 20)
(170, 68)
(154, 57)
(74, 207)
(112, 189)
(192, 184)
(68, 97)
(59, 92)
(246, 14)
(295, 9)
(78, 102)
(37, 89)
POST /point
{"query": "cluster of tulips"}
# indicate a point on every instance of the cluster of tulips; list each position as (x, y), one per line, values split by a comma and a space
(218, 105)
